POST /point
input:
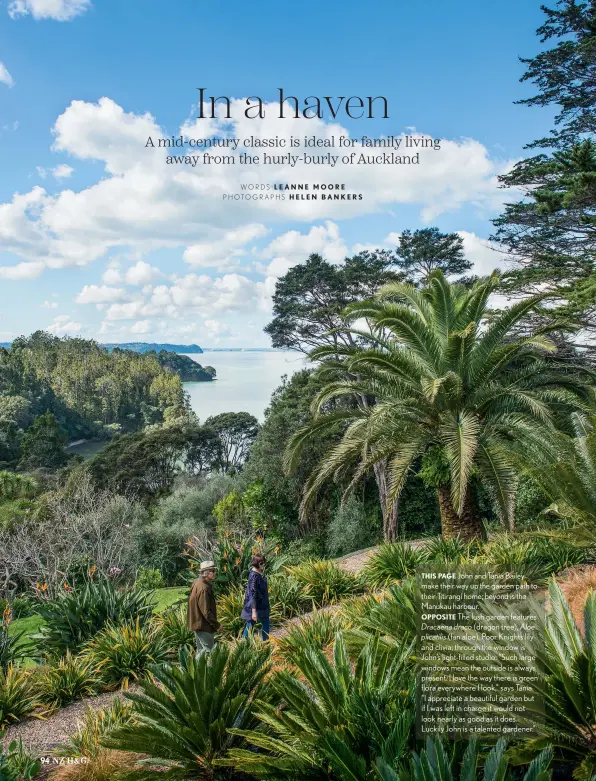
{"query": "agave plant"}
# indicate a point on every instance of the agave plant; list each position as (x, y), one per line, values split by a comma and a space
(433, 764)
(183, 720)
(75, 617)
(337, 718)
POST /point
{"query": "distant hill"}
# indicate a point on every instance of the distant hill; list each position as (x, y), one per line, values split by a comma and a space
(147, 347)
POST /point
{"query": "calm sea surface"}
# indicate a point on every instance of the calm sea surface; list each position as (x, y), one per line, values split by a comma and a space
(245, 381)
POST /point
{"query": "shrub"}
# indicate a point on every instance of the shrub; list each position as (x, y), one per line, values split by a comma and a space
(185, 717)
(338, 721)
(70, 679)
(392, 561)
(17, 764)
(74, 617)
(349, 529)
(286, 597)
(315, 631)
(18, 698)
(121, 653)
(533, 557)
(149, 579)
(171, 623)
(96, 724)
(229, 607)
(451, 551)
(11, 648)
(23, 606)
(324, 582)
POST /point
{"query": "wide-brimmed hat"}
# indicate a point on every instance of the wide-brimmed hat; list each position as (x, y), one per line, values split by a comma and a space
(205, 565)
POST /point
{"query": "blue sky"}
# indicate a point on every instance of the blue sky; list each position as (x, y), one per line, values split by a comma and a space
(99, 237)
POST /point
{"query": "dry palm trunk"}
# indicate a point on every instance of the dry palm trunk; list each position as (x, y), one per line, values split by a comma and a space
(468, 524)
(390, 517)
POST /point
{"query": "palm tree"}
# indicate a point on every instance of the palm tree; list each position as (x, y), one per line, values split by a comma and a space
(469, 398)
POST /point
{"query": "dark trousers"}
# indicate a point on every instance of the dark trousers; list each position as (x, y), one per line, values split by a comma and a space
(265, 627)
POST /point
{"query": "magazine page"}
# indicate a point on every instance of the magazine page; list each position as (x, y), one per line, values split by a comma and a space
(297, 391)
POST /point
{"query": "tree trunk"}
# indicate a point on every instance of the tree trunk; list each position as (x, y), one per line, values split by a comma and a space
(390, 515)
(468, 525)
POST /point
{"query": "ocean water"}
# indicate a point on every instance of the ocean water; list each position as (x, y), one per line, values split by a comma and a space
(245, 381)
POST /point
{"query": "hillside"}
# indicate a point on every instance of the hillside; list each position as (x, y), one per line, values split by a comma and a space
(187, 369)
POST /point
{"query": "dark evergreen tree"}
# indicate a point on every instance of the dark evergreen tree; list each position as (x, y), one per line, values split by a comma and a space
(423, 251)
(43, 444)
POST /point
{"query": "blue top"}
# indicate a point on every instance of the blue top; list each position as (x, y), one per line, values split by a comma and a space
(256, 597)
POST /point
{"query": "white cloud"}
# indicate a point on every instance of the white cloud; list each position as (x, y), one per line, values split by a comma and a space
(294, 247)
(5, 77)
(225, 252)
(483, 254)
(62, 171)
(141, 327)
(215, 328)
(63, 325)
(100, 294)
(112, 276)
(22, 270)
(143, 204)
(141, 274)
(60, 10)
(49, 305)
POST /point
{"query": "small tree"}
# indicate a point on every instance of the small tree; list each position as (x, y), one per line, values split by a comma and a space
(426, 250)
(44, 443)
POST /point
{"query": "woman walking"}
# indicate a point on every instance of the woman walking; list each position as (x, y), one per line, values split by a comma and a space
(256, 600)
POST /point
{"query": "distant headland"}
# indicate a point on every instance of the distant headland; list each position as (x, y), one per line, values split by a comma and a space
(147, 347)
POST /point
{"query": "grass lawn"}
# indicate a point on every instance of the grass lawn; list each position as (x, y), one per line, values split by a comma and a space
(167, 596)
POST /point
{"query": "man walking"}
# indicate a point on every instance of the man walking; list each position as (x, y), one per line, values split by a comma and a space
(201, 617)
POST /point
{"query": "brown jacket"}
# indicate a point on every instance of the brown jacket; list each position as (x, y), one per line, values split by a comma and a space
(201, 615)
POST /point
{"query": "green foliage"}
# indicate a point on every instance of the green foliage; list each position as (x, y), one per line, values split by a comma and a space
(425, 250)
(392, 561)
(391, 619)
(149, 579)
(237, 432)
(85, 386)
(323, 581)
(18, 697)
(12, 649)
(316, 631)
(68, 679)
(434, 764)
(16, 763)
(338, 720)
(229, 608)
(480, 397)
(85, 742)
(350, 529)
(43, 444)
(171, 624)
(126, 652)
(190, 505)
(534, 557)
(185, 716)
(530, 503)
(453, 551)
(287, 597)
(75, 617)
(229, 513)
(288, 412)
